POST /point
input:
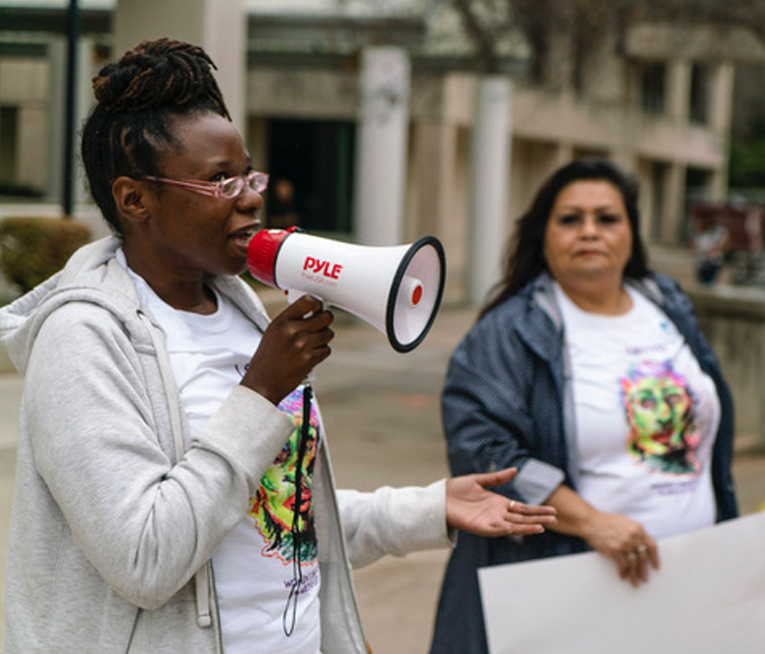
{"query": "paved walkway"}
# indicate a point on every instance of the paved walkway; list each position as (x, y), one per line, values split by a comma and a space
(382, 417)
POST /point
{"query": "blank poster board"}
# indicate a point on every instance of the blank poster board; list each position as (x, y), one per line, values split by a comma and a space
(707, 598)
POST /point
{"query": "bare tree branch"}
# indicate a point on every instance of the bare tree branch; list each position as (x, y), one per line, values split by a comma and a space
(481, 37)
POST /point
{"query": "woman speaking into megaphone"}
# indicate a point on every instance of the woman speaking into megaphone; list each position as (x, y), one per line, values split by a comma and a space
(173, 486)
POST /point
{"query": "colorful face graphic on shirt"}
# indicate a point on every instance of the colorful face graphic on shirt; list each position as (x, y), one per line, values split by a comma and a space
(660, 410)
(273, 506)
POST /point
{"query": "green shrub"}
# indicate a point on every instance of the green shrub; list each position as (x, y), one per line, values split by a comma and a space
(32, 249)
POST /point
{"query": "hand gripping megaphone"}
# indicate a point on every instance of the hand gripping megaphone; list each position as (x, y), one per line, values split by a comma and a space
(396, 289)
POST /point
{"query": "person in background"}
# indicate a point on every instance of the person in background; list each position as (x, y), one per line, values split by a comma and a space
(282, 210)
(173, 488)
(712, 244)
(588, 373)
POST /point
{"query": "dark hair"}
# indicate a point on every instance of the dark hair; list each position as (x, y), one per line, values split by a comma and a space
(138, 97)
(525, 258)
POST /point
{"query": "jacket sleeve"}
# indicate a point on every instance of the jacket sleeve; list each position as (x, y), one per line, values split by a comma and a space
(146, 523)
(393, 521)
(488, 421)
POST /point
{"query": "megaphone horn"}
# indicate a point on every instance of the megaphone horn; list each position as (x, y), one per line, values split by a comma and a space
(396, 289)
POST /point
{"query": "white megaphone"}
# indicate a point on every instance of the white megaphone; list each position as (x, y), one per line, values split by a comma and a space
(396, 289)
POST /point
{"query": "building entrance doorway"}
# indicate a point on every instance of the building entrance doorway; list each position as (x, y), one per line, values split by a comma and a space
(317, 158)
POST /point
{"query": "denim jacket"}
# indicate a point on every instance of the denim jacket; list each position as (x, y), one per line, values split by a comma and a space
(507, 401)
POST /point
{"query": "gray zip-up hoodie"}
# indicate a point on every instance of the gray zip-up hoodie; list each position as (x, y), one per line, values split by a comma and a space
(118, 509)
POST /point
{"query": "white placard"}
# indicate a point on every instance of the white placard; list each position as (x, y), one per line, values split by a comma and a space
(707, 598)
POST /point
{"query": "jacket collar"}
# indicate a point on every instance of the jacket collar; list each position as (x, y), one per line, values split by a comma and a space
(542, 312)
(541, 323)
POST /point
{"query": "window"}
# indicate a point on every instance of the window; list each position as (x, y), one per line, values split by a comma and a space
(653, 89)
(697, 182)
(9, 129)
(699, 102)
(589, 153)
(658, 175)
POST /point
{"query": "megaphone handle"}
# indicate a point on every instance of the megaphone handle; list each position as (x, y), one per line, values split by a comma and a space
(293, 295)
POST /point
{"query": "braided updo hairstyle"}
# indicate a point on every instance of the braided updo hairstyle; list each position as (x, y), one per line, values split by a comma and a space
(139, 97)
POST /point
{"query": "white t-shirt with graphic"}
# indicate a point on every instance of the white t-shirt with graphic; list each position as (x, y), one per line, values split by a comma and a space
(646, 417)
(260, 583)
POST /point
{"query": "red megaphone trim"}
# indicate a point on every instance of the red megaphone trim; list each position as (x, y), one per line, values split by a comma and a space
(262, 252)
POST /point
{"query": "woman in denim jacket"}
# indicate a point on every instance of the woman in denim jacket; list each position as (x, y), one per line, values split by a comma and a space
(588, 373)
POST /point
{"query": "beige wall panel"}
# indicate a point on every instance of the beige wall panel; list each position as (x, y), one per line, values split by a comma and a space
(23, 81)
(314, 94)
(33, 136)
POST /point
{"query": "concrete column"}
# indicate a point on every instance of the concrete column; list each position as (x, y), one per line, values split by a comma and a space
(721, 99)
(31, 139)
(678, 90)
(381, 154)
(55, 150)
(490, 179)
(225, 40)
(643, 174)
(720, 118)
(57, 59)
(83, 103)
(218, 26)
(673, 203)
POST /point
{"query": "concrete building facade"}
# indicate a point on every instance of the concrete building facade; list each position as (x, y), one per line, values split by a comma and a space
(657, 104)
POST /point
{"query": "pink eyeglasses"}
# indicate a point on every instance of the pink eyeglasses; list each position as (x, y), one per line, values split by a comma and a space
(226, 189)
